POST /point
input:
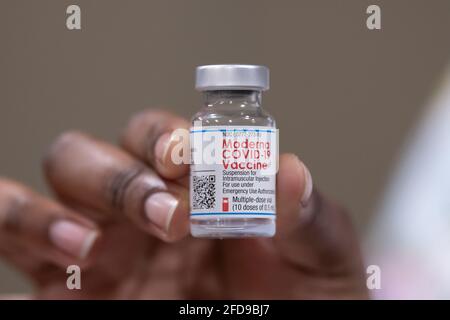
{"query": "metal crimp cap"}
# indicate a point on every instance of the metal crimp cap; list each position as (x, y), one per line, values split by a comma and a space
(232, 77)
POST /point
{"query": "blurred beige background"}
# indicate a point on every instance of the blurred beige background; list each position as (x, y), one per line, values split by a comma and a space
(344, 97)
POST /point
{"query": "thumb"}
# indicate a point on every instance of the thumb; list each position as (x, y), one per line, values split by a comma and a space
(313, 233)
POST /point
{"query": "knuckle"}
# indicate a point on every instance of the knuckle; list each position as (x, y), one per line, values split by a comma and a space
(67, 137)
(151, 137)
(128, 188)
(144, 130)
(146, 117)
(14, 200)
(11, 189)
(119, 184)
(143, 114)
(58, 146)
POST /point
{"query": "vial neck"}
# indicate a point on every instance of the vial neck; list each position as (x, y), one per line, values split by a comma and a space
(242, 98)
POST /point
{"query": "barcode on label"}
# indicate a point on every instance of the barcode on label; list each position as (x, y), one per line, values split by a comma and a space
(204, 192)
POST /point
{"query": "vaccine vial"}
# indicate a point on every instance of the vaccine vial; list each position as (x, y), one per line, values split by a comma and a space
(234, 154)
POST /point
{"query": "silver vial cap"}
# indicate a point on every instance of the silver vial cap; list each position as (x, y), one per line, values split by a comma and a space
(232, 77)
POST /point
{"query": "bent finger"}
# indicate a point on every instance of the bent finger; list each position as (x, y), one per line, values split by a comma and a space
(47, 230)
(160, 139)
(102, 177)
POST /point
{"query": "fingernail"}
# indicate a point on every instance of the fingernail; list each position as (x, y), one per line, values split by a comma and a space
(308, 186)
(159, 209)
(72, 238)
(162, 146)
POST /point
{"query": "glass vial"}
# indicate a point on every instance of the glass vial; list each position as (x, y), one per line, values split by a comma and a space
(234, 155)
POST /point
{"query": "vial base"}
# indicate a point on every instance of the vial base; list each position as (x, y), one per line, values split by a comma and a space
(233, 228)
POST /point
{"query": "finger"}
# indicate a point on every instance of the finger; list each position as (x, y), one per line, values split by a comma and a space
(159, 139)
(46, 229)
(314, 234)
(104, 178)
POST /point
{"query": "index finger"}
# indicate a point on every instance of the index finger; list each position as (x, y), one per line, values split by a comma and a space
(155, 136)
(91, 174)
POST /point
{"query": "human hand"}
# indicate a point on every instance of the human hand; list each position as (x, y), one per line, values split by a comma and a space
(122, 215)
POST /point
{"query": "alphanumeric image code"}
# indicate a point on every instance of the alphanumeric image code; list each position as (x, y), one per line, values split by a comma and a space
(204, 192)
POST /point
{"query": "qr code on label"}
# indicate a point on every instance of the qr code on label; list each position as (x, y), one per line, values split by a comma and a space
(204, 192)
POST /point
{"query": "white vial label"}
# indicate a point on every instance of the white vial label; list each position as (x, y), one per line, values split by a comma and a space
(233, 172)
